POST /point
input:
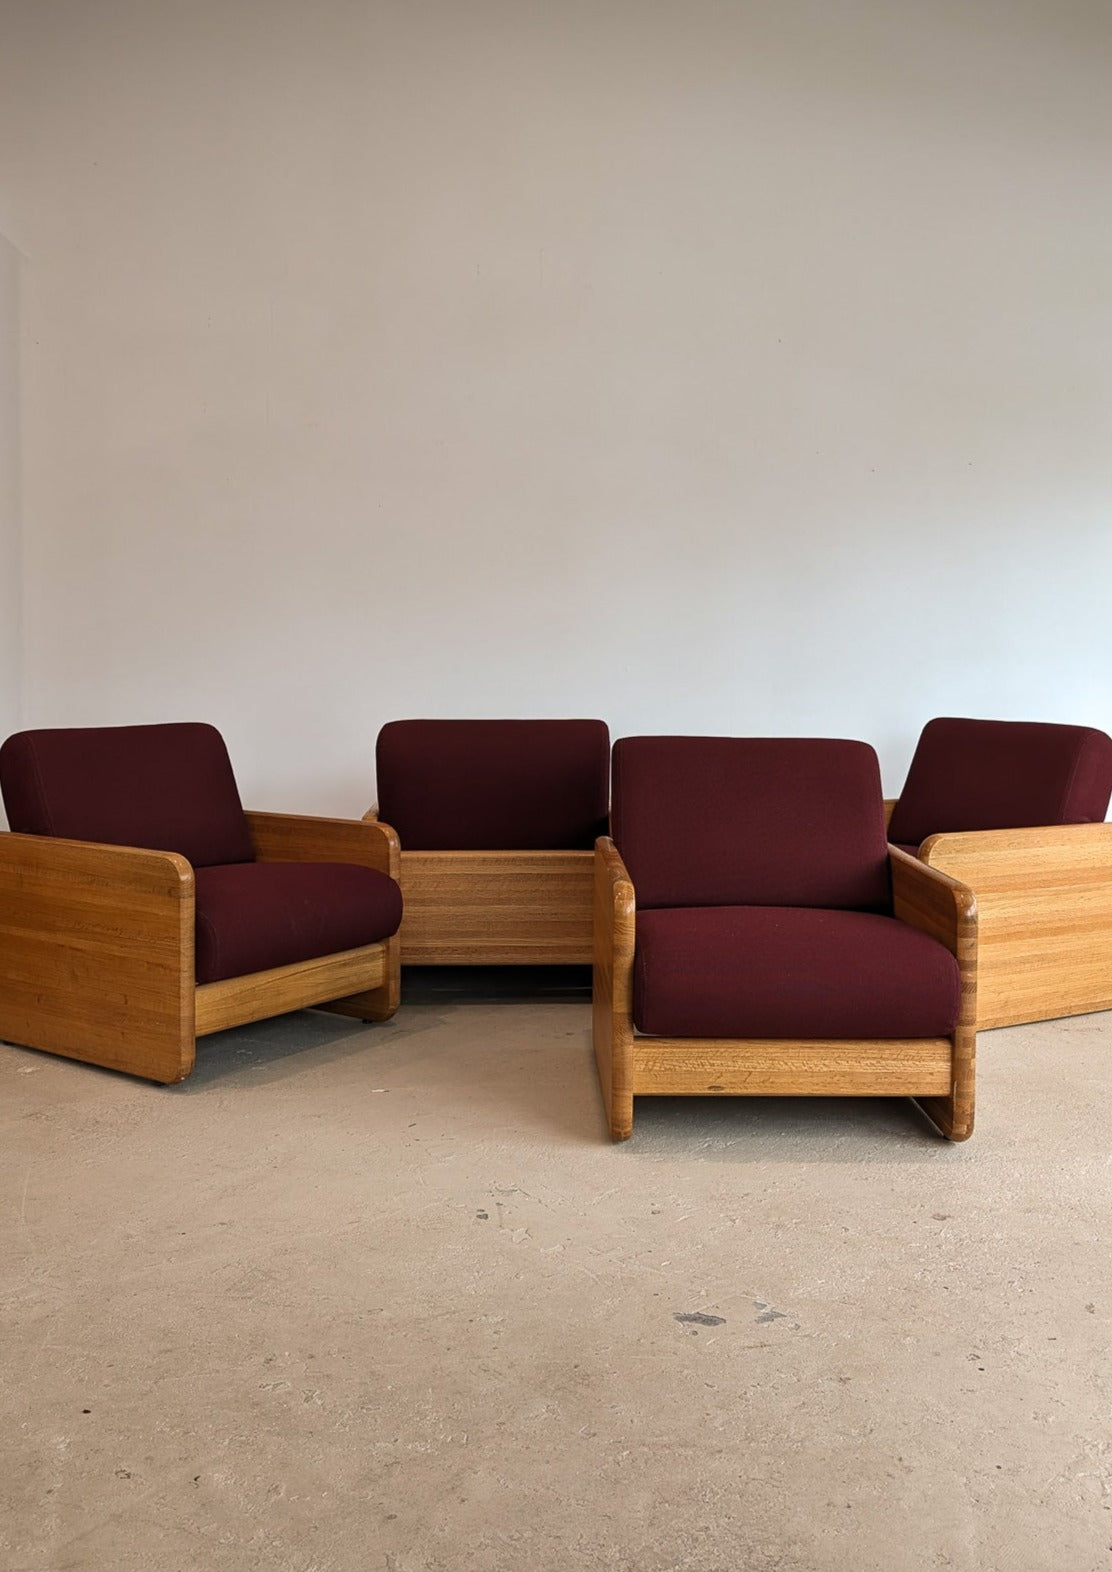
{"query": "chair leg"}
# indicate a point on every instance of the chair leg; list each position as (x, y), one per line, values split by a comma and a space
(953, 1116)
(376, 1004)
(612, 1034)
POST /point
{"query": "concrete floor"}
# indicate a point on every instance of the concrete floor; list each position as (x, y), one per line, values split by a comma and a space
(359, 1298)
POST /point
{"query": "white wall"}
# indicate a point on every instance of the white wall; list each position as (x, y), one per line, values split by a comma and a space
(719, 366)
(10, 568)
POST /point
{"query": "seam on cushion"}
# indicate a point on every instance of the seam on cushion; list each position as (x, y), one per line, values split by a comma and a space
(615, 792)
(43, 805)
(204, 921)
(639, 983)
(1064, 798)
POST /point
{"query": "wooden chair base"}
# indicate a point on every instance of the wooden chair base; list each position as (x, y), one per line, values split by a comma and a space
(919, 1068)
(938, 1073)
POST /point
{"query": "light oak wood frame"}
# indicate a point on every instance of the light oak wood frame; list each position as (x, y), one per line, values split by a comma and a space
(938, 1072)
(1045, 901)
(97, 948)
(1044, 898)
(496, 908)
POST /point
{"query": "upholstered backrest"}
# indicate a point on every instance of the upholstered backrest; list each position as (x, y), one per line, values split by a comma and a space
(167, 788)
(480, 785)
(1001, 775)
(751, 821)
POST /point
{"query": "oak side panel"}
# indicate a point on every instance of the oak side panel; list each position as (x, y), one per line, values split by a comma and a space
(96, 954)
(1045, 901)
(259, 995)
(612, 992)
(496, 908)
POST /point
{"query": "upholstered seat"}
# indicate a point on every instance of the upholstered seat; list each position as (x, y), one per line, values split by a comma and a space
(141, 907)
(497, 820)
(754, 934)
(790, 971)
(1015, 809)
(252, 916)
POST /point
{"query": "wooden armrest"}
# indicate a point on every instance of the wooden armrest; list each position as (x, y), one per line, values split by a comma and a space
(286, 837)
(612, 871)
(63, 863)
(889, 808)
(371, 815)
(932, 901)
(1041, 857)
(615, 935)
(615, 927)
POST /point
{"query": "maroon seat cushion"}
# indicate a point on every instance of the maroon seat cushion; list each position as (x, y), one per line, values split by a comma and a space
(744, 821)
(790, 972)
(1002, 775)
(481, 785)
(255, 915)
(166, 788)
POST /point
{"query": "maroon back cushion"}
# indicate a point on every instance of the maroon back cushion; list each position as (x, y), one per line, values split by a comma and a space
(167, 788)
(481, 785)
(1002, 775)
(751, 821)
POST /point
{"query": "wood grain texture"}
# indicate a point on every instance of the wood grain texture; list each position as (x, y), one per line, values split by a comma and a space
(946, 909)
(496, 908)
(612, 1002)
(284, 837)
(287, 837)
(96, 954)
(259, 995)
(1044, 897)
(670, 1066)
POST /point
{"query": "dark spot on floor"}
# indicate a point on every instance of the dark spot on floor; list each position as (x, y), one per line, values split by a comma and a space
(698, 1318)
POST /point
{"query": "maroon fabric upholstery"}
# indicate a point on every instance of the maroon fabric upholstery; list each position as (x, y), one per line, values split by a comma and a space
(481, 785)
(790, 972)
(255, 915)
(1002, 775)
(742, 821)
(166, 788)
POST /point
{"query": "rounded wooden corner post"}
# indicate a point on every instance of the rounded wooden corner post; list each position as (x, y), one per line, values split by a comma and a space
(954, 1116)
(381, 1004)
(614, 937)
(946, 909)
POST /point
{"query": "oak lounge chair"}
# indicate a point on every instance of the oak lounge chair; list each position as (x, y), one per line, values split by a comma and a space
(1015, 809)
(141, 908)
(755, 936)
(497, 821)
